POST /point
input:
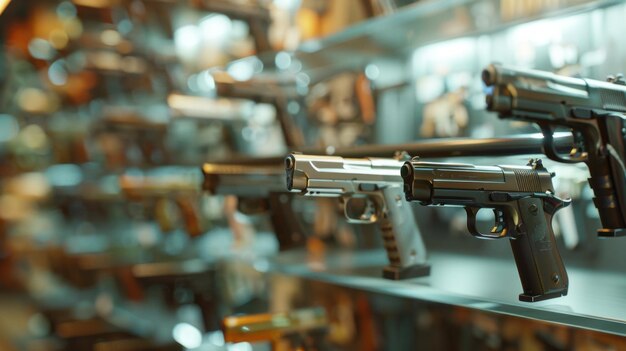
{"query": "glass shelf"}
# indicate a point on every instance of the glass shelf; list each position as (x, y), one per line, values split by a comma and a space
(413, 26)
(596, 299)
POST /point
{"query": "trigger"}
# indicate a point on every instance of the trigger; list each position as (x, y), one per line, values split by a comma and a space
(499, 224)
(578, 150)
(369, 213)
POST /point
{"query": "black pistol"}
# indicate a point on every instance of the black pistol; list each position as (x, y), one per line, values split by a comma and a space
(594, 111)
(523, 202)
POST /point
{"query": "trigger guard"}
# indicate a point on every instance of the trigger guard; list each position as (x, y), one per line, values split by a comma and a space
(471, 221)
(549, 148)
(473, 230)
(372, 218)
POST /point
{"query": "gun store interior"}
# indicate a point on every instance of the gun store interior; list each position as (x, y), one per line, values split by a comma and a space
(255, 175)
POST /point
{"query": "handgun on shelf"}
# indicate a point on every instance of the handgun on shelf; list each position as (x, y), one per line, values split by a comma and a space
(262, 92)
(371, 189)
(592, 109)
(178, 193)
(259, 188)
(523, 202)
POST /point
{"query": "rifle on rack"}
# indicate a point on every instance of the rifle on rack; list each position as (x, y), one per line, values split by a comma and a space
(371, 190)
(523, 202)
(595, 112)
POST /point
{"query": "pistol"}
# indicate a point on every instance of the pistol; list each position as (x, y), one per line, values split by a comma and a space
(178, 190)
(371, 189)
(259, 189)
(593, 110)
(263, 92)
(523, 202)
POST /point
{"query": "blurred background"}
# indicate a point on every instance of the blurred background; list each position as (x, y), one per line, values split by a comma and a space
(109, 108)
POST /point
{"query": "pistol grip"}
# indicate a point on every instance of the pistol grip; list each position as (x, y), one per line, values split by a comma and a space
(537, 258)
(402, 239)
(610, 190)
(191, 216)
(288, 229)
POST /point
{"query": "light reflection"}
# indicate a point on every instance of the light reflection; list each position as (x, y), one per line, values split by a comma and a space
(239, 30)
(263, 114)
(215, 28)
(3, 4)
(440, 58)
(35, 100)
(58, 38)
(93, 3)
(216, 338)
(192, 83)
(41, 49)
(241, 70)
(372, 72)
(296, 66)
(538, 33)
(125, 26)
(561, 55)
(57, 73)
(34, 137)
(262, 265)
(240, 346)
(64, 175)
(110, 37)
(73, 27)
(303, 79)
(33, 186)
(206, 83)
(187, 40)
(187, 335)
(293, 107)
(302, 90)
(76, 61)
(287, 4)
(187, 106)
(8, 128)
(593, 58)
(282, 60)
(66, 10)
(429, 87)
(131, 64)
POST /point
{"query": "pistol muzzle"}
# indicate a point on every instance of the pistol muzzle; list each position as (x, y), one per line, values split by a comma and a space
(290, 162)
(406, 172)
(415, 189)
(489, 75)
(295, 179)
